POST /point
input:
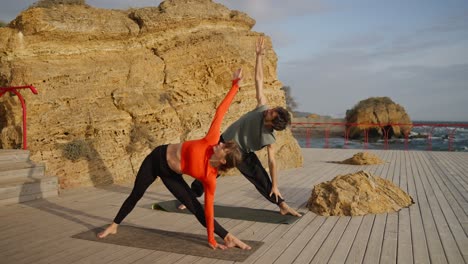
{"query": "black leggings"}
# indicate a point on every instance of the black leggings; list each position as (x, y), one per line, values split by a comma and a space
(252, 169)
(154, 165)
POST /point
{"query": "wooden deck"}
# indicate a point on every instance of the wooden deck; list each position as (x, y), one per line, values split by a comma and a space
(433, 230)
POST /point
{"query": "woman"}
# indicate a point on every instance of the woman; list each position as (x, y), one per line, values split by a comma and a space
(200, 159)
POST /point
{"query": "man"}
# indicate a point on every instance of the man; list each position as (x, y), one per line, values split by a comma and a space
(254, 131)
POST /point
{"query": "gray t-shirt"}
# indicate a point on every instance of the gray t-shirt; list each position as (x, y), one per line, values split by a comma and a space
(248, 131)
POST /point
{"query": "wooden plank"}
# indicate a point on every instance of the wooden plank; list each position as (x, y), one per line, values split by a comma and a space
(456, 201)
(458, 164)
(374, 244)
(452, 174)
(37, 251)
(359, 246)
(442, 215)
(332, 240)
(434, 245)
(344, 245)
(404, 248)
(285, 239)
(135, 257)
(61, 253)
(455, 173)
(314, 243)
(453, 203)
(37, 212)
(383, 230)
(298, 244)
(209, 261)
(159, 257)
(390, 237)
(461, 159)
(28, 186)
(268, 234)
(111, 253)
(420, 250)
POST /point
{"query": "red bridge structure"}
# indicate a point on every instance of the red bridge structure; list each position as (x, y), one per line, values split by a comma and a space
(14, 89)
(307, 128)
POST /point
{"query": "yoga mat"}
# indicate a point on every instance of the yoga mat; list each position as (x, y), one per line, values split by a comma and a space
(240, 213)
(175, 242)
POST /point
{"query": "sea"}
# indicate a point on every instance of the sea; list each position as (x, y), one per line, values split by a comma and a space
(418, 140)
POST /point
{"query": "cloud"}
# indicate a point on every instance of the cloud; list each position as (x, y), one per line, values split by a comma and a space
(273, 10)
(456, 22)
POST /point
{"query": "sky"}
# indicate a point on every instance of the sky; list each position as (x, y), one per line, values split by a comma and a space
(335, 53)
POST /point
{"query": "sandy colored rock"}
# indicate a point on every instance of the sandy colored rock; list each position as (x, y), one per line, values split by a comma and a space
(378, 110)
(122, 82)
(363, 158)
(359, 193)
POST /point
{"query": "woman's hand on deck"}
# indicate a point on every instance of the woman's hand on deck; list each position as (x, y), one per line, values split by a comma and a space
(220, 246)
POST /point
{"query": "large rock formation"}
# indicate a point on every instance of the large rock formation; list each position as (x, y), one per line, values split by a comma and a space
(380, 115)
(359, 193)
(114, 84)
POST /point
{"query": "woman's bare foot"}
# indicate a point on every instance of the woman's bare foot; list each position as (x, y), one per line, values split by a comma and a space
(285, 209)
(182, 207)
(232, 241)
(110, 230)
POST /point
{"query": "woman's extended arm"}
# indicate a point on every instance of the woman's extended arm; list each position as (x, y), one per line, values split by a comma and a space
(210, 188)
(213, 134)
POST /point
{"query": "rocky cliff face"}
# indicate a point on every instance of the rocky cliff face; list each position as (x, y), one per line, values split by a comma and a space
(378, 110)
(114, 84)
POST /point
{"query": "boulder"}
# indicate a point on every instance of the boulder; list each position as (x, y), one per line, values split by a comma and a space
(363, 158)
(358, 193)
(380, 116)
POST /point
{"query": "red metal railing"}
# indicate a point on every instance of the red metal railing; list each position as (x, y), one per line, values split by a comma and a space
(14, 90)
(327, 126)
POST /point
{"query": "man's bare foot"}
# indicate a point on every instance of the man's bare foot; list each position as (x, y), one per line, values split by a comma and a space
(182, 207)
(110, 230)
(285, 209)
(232, 241)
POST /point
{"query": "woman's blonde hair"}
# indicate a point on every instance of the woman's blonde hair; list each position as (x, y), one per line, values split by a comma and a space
(233, 156)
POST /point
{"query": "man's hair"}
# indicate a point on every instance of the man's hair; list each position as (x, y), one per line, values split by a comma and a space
(233, 156)
(282, 120)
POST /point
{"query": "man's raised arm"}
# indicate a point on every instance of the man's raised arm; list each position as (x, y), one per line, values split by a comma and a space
(260, 51)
